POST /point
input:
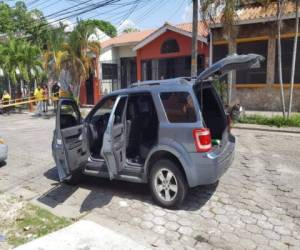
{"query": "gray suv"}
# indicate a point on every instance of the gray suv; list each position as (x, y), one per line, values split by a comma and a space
(173, 134)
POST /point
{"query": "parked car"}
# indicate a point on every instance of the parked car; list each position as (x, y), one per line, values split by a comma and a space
(158, 132)
(3, 150)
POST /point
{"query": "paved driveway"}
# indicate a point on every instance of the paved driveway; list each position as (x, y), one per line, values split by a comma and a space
(256, 205)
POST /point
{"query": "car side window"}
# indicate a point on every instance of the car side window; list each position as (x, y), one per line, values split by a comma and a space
(69, 115)
(119, 112)
(179, 107)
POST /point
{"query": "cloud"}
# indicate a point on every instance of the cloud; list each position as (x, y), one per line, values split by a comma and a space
(187, 13)
(127, 24)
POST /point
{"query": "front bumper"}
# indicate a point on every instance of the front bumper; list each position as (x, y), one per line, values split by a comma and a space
(3, 152)
(209, 167)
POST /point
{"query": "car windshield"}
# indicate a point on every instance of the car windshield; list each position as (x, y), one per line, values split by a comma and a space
(106, 107)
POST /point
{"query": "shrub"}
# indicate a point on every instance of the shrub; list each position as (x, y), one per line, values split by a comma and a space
(278, 121)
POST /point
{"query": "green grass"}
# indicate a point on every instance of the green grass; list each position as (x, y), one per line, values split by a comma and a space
(278, 121)
(33, 222)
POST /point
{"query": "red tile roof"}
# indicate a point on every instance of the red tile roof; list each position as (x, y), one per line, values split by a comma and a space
(202, 28)
(256, 12)
(126, 38)
(135, 37)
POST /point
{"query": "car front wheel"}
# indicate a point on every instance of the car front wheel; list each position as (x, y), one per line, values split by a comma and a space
(167, 183)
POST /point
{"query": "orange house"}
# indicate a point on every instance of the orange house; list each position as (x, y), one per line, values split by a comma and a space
(166, 53)
(150, 55)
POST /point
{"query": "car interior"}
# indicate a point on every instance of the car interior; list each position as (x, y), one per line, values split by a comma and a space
(212, 110)
(68, 117)
(97, 126)
(141, 128)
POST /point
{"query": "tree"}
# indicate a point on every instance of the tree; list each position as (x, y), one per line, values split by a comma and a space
(20, 22)
(130, 29)
(294, 57)
(279, 23)
(73, 59)
(52, 50)
(18, 59)
(104, 26)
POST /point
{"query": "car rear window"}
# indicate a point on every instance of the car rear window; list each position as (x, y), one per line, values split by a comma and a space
(179, 107)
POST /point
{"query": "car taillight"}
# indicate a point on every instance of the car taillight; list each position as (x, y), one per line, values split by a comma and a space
(202, 139)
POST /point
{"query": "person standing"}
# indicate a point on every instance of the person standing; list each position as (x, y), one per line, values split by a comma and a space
(45, 98)
(5, 101)
(55, 95)
(39, 96)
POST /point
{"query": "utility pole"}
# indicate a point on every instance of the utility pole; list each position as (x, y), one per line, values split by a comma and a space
(194, 39)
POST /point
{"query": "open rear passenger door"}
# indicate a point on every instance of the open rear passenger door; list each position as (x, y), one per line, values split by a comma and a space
(69, 145)
(114, 139)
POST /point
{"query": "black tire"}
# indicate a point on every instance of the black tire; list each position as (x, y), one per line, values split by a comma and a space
(162, 167)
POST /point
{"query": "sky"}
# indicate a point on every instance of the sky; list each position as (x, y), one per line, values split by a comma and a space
(146, 15)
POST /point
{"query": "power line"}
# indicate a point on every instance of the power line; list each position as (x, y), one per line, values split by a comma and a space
(63, 16)
(126, 12)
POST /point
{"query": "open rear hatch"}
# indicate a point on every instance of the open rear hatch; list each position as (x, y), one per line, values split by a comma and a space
(212, 108)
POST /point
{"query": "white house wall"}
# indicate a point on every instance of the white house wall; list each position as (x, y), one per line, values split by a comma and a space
(126, 51)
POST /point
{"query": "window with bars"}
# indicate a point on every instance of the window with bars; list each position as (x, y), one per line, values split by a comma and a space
(109, 71)
(286, 57)
(256, 75)
(219, 52)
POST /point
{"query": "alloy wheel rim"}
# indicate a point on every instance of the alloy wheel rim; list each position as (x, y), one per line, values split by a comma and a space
(166, 185)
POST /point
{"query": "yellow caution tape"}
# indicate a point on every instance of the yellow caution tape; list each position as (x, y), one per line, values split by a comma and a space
(13, 102)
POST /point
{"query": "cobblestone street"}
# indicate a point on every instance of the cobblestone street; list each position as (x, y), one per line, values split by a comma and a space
(255, 205)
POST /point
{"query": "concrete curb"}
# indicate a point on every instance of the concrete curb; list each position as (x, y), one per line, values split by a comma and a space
(292, 130)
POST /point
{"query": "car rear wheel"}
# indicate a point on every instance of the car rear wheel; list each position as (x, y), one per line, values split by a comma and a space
(167, 183)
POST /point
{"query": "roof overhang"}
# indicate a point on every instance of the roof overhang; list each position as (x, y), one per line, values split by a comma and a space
(162, 30)
(115, 45)
(252, 21)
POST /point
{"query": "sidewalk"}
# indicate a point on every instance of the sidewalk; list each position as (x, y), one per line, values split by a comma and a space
(82, 235)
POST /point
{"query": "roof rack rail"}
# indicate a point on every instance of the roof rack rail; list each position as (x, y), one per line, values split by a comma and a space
(161, 82)
(139, 84)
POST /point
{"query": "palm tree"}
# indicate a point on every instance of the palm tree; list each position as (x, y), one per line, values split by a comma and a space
(52, 50)
(72, 59)
(17, 59)
(294, 57)
(10, 54)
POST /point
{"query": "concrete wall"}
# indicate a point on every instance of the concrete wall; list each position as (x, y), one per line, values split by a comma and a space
(109, 55)
(126, 51)
(267, 99)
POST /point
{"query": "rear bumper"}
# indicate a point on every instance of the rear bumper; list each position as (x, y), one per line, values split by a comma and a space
(209, 167)
(3, 152)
